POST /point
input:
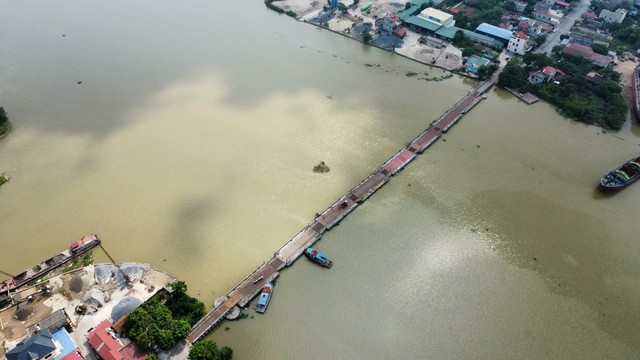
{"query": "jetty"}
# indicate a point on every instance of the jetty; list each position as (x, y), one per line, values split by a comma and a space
(251, 285)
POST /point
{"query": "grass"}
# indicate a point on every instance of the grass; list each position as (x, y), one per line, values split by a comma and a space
(83, 260)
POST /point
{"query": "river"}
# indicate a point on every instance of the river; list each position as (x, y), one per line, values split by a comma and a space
(184, 135)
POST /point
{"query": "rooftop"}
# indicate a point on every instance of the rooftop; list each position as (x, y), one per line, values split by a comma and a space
(104, 341)
(521, 35)
(494, 31)
(35, 347)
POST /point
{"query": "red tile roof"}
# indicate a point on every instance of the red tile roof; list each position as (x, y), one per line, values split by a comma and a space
(392, 18)
(573, 49)
(133, 352)
(524, 24)
(72, 356)
(521, 35)
(562, 3)
(549, 70)
(453, 10)
(104, 342)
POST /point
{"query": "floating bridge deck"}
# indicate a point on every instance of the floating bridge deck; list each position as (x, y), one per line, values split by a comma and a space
(246, 290)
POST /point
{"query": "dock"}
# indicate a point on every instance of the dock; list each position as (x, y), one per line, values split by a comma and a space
(246, 290)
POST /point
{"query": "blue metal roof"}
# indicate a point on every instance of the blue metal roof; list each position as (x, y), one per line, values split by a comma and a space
(63, 337)
(494, 31)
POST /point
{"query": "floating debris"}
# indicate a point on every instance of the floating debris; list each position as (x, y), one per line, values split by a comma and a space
(321, 168)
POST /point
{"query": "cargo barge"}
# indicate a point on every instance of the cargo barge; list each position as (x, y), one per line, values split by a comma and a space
(621, 177)
(75, 249)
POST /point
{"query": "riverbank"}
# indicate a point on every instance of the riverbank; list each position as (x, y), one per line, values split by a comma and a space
(355, 23)
(98, 288)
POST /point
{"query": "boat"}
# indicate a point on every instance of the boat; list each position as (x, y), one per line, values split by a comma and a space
(75, 249)
(264, 298)
(621, 177)
(635, 91)
(318, 257)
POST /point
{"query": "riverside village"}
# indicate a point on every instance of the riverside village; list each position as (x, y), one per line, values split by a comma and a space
(561, 52)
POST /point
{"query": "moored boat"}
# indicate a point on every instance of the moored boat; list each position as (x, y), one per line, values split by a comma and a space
(635, 82)
(264, 298)
(75, 249)
(621, 177)
(318, 257)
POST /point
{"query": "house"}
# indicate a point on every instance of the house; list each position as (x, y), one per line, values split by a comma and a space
(104, 340)
(613, 16)
(561, 5)
(585, 40)
(589, 15)
(388, 24)
(519, 43)
(474, 63)
(520, 6)
(594, 78)
(550, 16)
(39, 346)
(546, 74)
(585, 52)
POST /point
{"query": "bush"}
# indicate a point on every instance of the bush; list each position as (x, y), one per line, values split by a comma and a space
(155, 323)
(208, 350)
(4, 121)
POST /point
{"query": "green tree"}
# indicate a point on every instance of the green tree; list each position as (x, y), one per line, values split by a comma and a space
(599, 48)
(4, 121)
(342, 7)
(366, 37)
(513, 75)
(510, 6)
(226, 353)
(458, 37)
(204, 350)
(540, 40)
(557, 49)
(485, 72)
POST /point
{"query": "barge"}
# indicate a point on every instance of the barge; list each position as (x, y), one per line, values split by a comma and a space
(75, 249)
(635, 82)
(621, 177)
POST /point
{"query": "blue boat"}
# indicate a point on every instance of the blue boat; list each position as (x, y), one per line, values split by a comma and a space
(265, 295)
(318, 257)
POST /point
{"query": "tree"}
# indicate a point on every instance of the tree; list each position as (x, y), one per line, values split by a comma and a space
(4, 121)
(204, 350)
(226, 353)
(510, 6)
(513, 75)
(458, 37)
(599, 48)
(557, 49)
(485, 72)
(540, 40)
(366, 37)
(407, 5)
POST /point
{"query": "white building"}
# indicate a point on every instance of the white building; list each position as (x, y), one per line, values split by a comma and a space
(437, 17)
(613, 16)
(519, 43)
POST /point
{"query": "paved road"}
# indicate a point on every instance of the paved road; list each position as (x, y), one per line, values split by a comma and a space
(554, 38)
